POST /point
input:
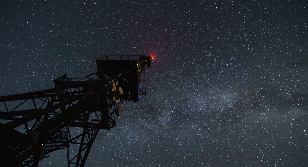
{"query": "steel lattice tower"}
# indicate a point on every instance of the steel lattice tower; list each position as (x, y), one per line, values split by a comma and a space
(35, 124)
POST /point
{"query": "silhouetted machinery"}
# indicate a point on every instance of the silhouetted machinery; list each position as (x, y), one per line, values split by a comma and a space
(38, 123)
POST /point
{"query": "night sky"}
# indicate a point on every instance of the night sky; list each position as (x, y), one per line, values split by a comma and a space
(228, 87)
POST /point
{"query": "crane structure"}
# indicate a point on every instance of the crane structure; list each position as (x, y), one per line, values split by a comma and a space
(32, 125)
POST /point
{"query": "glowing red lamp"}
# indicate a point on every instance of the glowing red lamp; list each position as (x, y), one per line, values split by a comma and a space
(152, 57)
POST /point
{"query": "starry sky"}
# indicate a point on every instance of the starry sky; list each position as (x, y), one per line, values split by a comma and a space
(228, 87)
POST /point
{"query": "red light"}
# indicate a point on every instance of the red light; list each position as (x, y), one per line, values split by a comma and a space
(152, 57)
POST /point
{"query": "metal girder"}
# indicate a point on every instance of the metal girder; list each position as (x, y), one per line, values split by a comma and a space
(32, 125)
(63, 108)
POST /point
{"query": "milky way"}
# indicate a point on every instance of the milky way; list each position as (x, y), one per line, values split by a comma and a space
(228, 86)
